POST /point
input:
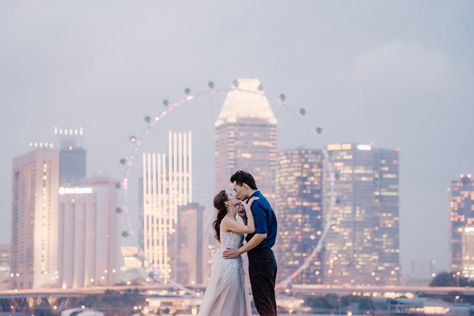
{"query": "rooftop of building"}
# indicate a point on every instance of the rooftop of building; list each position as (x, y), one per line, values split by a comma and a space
(246, 100)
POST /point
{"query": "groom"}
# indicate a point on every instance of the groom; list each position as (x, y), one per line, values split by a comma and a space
(262, 263)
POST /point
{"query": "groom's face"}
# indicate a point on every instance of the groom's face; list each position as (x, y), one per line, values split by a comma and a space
(240, 191)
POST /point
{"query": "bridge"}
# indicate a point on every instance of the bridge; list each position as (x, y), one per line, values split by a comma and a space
(376, 290)
(295, 289)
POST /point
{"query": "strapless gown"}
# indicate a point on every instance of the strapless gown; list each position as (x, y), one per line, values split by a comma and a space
(226, 293)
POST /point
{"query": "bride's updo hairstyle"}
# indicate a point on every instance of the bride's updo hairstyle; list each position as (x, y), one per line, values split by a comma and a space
(219, 203)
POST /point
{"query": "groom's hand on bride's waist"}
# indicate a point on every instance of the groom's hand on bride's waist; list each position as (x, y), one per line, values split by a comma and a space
(231, 253)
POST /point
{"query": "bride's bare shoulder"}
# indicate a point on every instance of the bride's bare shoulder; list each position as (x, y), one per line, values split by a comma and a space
(226, 222)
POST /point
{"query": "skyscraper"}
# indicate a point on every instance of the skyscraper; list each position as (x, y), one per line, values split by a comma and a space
(191, 240)
(362, 245)
(5, 267)
(166, 185)
(298, 205)
(461, 207)
(72, 156)
(386, 197)
(34, 242)
(130, 258)
(4, 256)
(88, 234)
(245, 134)
(467, 262)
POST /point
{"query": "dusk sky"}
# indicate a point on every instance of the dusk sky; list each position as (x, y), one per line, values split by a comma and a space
(398, 74)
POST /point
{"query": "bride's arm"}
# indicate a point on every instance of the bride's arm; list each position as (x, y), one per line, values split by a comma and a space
(248, 212)
(236, 227)
(240, 228)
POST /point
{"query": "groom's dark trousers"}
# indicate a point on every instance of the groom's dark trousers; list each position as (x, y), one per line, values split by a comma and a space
(262, 263)
(262, 273)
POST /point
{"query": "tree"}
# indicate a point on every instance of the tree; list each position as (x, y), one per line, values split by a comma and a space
(366, 304)
(450, 279)
(348, 300)
(111, 298)
(443, 279)
(115, 303)
(328, 302)
(90, 301)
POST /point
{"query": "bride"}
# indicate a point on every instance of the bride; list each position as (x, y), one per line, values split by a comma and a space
(226, 293)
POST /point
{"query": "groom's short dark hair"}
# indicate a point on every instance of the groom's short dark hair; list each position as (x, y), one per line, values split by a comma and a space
(241, 177)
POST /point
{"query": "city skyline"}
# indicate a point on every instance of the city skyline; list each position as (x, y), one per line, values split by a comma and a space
(379, 166)
(361, 74)
(366, 181)
(76, 162)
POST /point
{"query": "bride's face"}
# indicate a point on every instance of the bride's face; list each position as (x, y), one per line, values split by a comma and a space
(233, 202)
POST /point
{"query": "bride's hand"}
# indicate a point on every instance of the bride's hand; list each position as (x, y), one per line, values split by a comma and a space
(252, 199)
(248, 205)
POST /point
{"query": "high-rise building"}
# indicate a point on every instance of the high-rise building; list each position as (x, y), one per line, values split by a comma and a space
(387, 228)
(245, 135)
(130, 257)
(5, 267)
(34, 242)
(298, 205)
(88, 234)
(467, 262)
(190, 245)
(362, 246)
(167, 184)
(5, 256)
(72, 156)
(461, 207)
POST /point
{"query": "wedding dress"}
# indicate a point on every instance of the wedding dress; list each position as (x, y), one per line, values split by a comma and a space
(226, 293)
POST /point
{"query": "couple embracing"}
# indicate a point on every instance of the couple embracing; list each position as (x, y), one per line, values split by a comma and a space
(226, 293)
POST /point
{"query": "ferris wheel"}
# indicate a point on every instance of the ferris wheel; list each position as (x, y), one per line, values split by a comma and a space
(191, 120)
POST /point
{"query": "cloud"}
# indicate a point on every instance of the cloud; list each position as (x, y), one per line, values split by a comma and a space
(397, 68)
